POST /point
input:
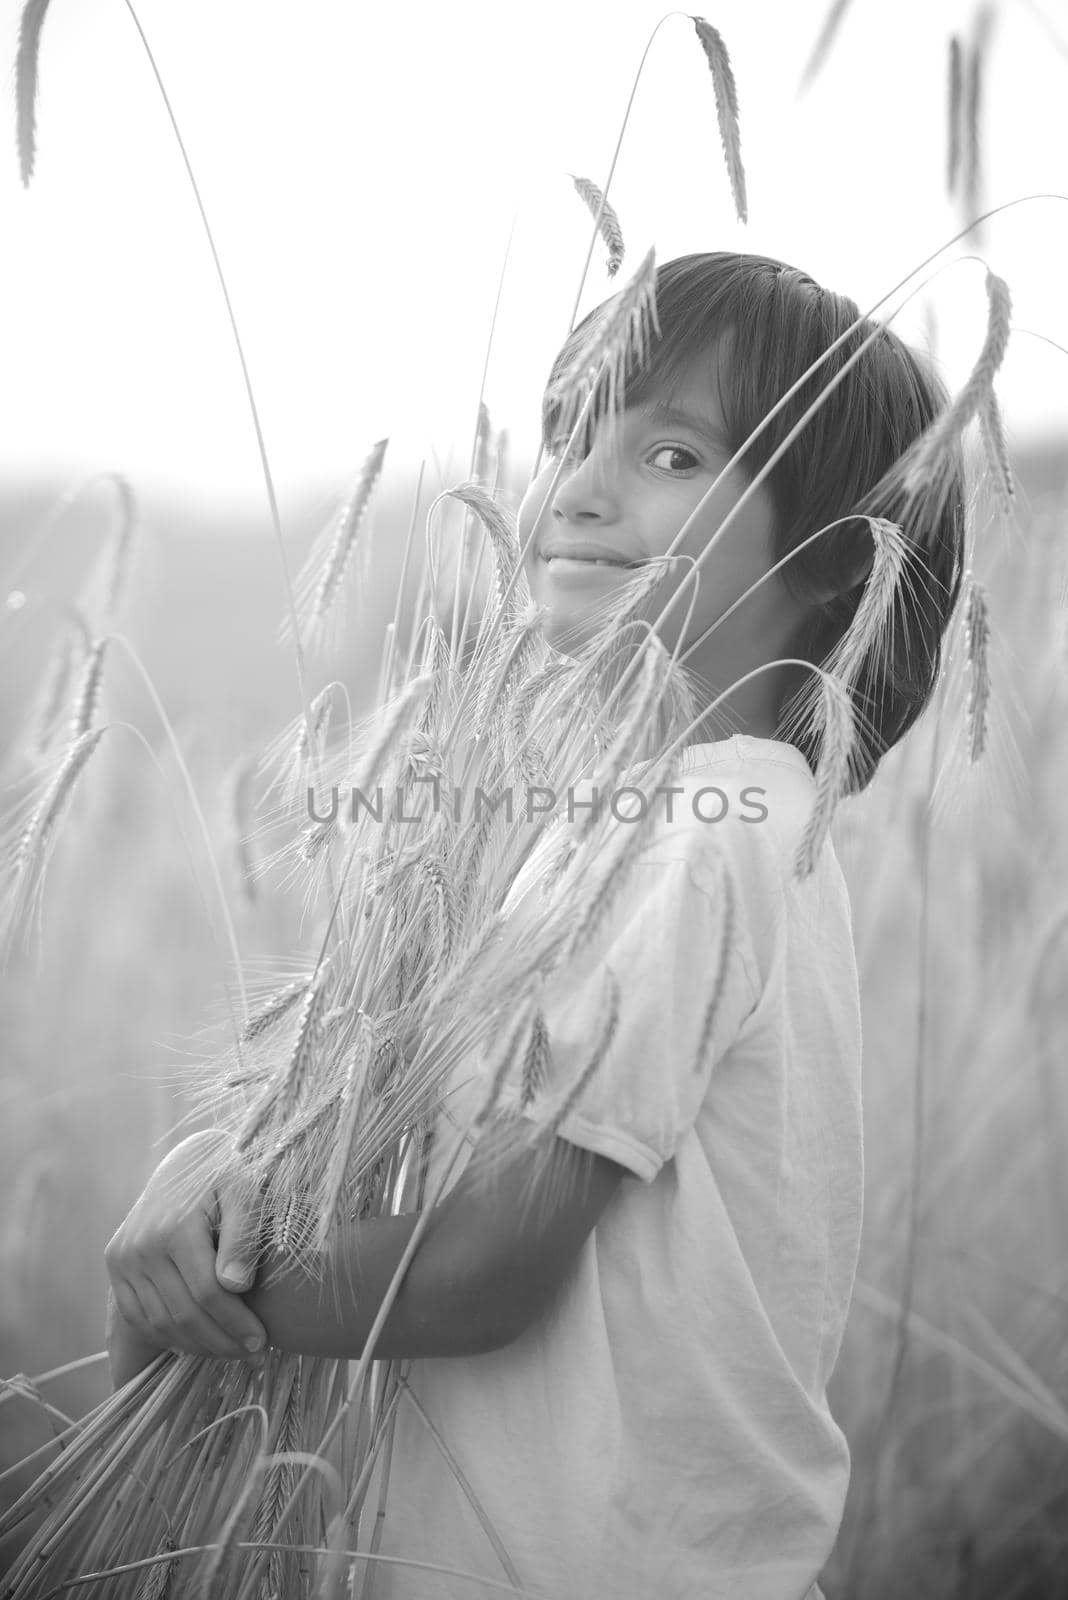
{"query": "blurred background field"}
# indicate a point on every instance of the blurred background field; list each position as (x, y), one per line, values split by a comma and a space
(961, 1488)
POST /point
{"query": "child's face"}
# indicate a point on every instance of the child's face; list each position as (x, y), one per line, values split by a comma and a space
(626, 501)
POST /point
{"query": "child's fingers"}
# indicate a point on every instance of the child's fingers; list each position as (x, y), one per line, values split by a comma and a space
(179, 1322)
(237, 1257)
(129, 1306)
(194, 1257)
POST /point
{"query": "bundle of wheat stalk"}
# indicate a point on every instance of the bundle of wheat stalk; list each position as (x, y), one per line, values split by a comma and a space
(205, 1477)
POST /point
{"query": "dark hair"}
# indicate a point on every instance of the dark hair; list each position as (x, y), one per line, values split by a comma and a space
(778, 322)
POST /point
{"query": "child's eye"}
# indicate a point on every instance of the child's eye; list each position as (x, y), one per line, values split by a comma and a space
(686, 465)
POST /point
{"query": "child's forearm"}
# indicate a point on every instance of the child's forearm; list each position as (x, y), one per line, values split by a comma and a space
(445, 1306)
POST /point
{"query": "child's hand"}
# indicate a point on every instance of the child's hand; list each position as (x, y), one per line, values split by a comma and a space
(167, 1278)
(128, 1351)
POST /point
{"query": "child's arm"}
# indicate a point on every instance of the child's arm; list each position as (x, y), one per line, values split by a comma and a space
(490, 1260)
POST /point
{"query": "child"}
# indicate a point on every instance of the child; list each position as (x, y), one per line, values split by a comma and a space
(630, 1374)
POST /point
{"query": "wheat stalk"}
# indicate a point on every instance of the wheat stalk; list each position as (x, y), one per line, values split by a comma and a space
(241, 819)
(606, 219)
(156, 1583)
(726, 94)
(977, 634)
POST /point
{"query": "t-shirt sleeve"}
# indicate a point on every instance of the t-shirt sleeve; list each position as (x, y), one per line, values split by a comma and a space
(673, 961)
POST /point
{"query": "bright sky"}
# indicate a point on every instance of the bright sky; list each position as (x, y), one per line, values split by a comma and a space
(362, 164)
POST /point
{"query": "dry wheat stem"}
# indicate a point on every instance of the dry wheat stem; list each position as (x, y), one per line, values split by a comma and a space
(457, 643)
(241, 818)
(268, 480)
(605, 221)
(198, 813)
(726, 95)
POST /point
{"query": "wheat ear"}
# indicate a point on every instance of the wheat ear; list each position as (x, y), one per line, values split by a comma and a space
(121, 549)
(620, 330)
(87, 700)
(73, 647)
(864, 636)
(722, 963)
(836, 750)
(977, 634)
(726, 94)
(348, 527)
(496, 523)
(574, 1094)
(929, 456)
(824, 40)
(30, 25)
(606, 219)
(275, 1008)
(36, 840)
(483, 452)
(992, 428)
(954, 104)
(974, 75)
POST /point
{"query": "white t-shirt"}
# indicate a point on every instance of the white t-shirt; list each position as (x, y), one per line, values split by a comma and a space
(663, 1429)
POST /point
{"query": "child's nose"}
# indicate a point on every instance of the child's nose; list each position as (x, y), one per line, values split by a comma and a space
(587, 492)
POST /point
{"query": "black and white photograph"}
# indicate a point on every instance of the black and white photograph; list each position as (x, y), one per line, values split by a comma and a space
(533, 827)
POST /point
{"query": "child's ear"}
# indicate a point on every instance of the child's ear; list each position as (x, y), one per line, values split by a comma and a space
(846, 563)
